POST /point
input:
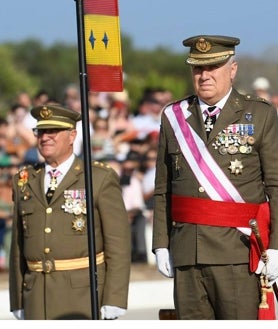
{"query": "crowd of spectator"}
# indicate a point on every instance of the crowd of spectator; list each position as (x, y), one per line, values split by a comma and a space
(125, 139)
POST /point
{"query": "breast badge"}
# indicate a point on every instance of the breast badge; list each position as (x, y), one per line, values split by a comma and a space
(236, 167)
(78, 224)
(23, 178)
(75, 203)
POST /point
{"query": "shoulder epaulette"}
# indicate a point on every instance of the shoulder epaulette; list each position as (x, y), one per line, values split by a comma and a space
(101, 164)
(24, 168)
(190, 99)
(250, 97)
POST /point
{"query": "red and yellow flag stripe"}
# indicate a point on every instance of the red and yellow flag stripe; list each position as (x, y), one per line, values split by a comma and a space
(103, 45)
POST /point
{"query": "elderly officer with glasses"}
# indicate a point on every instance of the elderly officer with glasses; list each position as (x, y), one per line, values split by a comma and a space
(49, 263)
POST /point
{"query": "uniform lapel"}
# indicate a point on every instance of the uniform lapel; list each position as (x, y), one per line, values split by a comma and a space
(36, 184)
(196, 118)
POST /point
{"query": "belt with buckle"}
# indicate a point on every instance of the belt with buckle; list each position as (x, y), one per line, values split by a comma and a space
(63, 264)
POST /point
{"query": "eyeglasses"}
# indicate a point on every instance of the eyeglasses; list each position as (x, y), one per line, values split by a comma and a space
(53, 132)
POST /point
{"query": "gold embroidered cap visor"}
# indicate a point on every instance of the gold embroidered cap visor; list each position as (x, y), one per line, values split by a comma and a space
(53, 116)
(210, 49)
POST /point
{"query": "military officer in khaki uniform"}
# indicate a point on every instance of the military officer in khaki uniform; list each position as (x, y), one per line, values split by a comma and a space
(49, 264)
(217, 167)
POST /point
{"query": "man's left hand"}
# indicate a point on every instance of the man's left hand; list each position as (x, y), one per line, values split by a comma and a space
(111, 312)
(270, 269)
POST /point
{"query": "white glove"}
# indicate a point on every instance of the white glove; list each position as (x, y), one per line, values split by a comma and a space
(270, 269)
(111, 312)
(164, 262)
(19, 314)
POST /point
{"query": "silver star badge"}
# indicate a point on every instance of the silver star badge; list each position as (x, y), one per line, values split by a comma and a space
(236, 167)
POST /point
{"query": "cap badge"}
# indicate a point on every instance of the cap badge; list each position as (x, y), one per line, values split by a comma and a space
(203, 45)
(46, 113)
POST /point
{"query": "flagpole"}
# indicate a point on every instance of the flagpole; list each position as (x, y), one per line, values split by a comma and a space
(87, 159)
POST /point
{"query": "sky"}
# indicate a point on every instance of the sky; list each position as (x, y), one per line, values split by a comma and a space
(149, 23)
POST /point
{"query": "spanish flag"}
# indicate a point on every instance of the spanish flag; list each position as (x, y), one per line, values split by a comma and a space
(103, 45)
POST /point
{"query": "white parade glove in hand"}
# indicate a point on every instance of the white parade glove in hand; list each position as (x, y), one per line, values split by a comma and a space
(111, 312)
(270, 269)
(164, 262)
(19, 314)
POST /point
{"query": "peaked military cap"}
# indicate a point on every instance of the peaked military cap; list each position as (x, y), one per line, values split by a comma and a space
(55, 116)
(210, 49)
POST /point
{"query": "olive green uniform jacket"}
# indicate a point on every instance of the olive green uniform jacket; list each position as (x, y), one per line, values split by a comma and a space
(45, 232)
(190, 244)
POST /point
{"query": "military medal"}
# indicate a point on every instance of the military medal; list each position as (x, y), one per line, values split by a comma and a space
(22, 179)
(208, 124)
(248, 149)
(53, 183)
(223, 150)
(250, 140)
(232, 149)
(243, 149)
(236, 167)
(75, 203)
(236, 138)
(78, 224)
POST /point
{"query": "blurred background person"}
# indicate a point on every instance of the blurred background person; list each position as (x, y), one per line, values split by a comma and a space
(102, 144)
(274, 101)
(131, 183)
(261, 87)
(6, 159)
(20, 137)
(6, 214)
(148, 169)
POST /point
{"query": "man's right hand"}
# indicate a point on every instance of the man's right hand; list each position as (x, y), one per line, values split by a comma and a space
(164, 262)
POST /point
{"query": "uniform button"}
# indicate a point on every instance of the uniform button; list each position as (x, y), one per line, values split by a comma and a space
(174, 223)
(47, 230)
(46, 250)
(48, 210)
(201, 189)
(24, 284)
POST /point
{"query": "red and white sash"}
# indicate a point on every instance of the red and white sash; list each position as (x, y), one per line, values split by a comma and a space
(206, 170)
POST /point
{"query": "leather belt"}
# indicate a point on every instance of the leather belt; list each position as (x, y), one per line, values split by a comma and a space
(51, 265)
